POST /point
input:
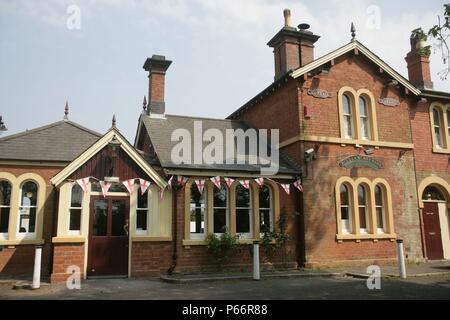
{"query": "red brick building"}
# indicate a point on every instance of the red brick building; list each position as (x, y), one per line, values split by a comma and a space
(370, 147)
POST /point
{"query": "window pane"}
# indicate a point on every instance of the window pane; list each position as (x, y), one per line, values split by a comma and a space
(29, 194)
(448, 119)
(436, 117)
(242, 197)
(5, 193)
(75, 220)
(27, 219)
(344, 195)
(432, 193)
(100, 217)
(346, 103)
(118, 218)
(264, 197)
(220, 220)
(361, 195)
(264, 221)
(141, 220)
(378, 196)
(380, 224)
(118, 187)
(197, 199)
(345, 213)
(220, 196)
(242, 220)
(365, 128)
(142, 200)
(4, 219)
(362, 218)
(197, 220)
(77, 196)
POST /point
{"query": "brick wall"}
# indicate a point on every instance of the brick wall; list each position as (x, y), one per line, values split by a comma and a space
(64, 256)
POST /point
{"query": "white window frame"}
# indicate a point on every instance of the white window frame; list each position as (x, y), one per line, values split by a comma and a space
(270, 209)
(346, 222)
(142, 232)
(363, 118)
(227, 209)
(382, 207)
(27, 235)
(348, 117)
(366, 209)
(439, 140)
(75, 232)
(5, 235)
(204, 210)
(246, 235)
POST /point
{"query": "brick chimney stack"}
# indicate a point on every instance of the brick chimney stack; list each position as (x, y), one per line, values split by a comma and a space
(418, 61)
(156, 66)
(292, 47)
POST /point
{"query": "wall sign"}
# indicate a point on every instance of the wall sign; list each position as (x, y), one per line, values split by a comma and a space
(319, 93)
(360, 161)
(389, 102)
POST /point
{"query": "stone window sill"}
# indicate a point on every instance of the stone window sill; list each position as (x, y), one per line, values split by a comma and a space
(359, 237)
(18, 242)
(69, 239)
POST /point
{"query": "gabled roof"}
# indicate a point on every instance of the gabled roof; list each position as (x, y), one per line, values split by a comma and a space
(366, 52)
(98, 146)
(160, 131)
(61, 141)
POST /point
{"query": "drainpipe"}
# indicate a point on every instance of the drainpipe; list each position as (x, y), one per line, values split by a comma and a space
(174, 229)
(54, 228)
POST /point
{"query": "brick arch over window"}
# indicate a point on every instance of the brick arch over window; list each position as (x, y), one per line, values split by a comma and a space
(440, 183)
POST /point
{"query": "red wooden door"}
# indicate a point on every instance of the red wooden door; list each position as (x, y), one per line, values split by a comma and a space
(432, 230)
(108, 237)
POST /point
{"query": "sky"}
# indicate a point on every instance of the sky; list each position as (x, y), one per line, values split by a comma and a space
(91, 52)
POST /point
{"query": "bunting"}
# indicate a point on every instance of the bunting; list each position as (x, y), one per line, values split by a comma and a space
(298, 185)
(181, 180)
(229, 181)
(169, 183)
(216, 181)
(200, 184)
(83, 183)
(129, 184)
(161, 193)
(260, 181)
(144, 185)
(286, 187)
(245, 183)
(105, 187)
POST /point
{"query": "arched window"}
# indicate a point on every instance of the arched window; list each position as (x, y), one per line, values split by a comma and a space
(380, 209)
(346, 211)
(198, 213)
(363, 209)
(243, 212)
(432, 193)
(437, 127)
(265, 209)
(142, 212)
(5, 206)
(75, 209)
(220, 207)
(364, 118)
(348, 117)
(27, 209)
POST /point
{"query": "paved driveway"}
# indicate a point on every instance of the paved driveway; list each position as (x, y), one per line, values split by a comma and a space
(277, 288)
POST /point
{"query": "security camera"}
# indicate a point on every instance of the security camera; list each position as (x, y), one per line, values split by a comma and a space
(309, 151)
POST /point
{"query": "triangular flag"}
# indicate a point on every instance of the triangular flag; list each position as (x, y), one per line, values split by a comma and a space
(245, 183)
(298, 185)
(161, 193)
(169, 183)
(286, 187)
(129, 184)
(105, 187)
(181, 180)
(83, 183)
(200, 184)
(216, 181)
(144, 185)
(259, 181)
(229, 181)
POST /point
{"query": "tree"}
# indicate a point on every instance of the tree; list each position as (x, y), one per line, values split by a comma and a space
(441, 32)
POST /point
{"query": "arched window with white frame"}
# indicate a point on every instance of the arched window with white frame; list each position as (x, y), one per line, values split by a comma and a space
(28, 209)
(348, 116)
(244, 226)
(142, 205)
(380, 208)
(364, 116)
(363, 210)
(75, 209)
(198, 213)
(266, 223)
(220, 209)
(345, 209)
(5, 207)
(437, 128)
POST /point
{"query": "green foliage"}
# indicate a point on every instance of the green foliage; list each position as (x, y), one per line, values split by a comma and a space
(273, 241)
(419, 34)
(221, 248)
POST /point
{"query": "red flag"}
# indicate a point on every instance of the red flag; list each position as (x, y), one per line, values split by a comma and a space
(286, 187)
(83, 183)
(105, 187)
(245, 183)
(144, 185)
(216, 181)
(129, 184)
(229, 181)
(298, 185)
(181, 180)
(200, 184)
(259, 181)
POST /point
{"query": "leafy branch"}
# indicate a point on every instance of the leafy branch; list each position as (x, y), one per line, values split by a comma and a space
(441, 32)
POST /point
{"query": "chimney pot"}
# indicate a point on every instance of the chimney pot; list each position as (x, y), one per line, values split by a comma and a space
(287, 17)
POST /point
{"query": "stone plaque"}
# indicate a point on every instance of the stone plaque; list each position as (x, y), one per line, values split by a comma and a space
(319, 93)
(360, 161)
(389, 102)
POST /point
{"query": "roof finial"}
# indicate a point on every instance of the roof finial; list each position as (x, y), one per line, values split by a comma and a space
(144, 104)
(114, 121)
(66, 111)
(353, 31)
(2, 125)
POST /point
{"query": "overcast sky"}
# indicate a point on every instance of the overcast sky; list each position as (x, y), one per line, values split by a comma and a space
(218, 48)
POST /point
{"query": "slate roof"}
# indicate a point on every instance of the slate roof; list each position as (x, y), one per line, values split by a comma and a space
(160, 131)
(61, 141)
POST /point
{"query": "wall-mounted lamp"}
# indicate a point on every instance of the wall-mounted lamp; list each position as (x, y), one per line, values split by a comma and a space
(392, 83)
